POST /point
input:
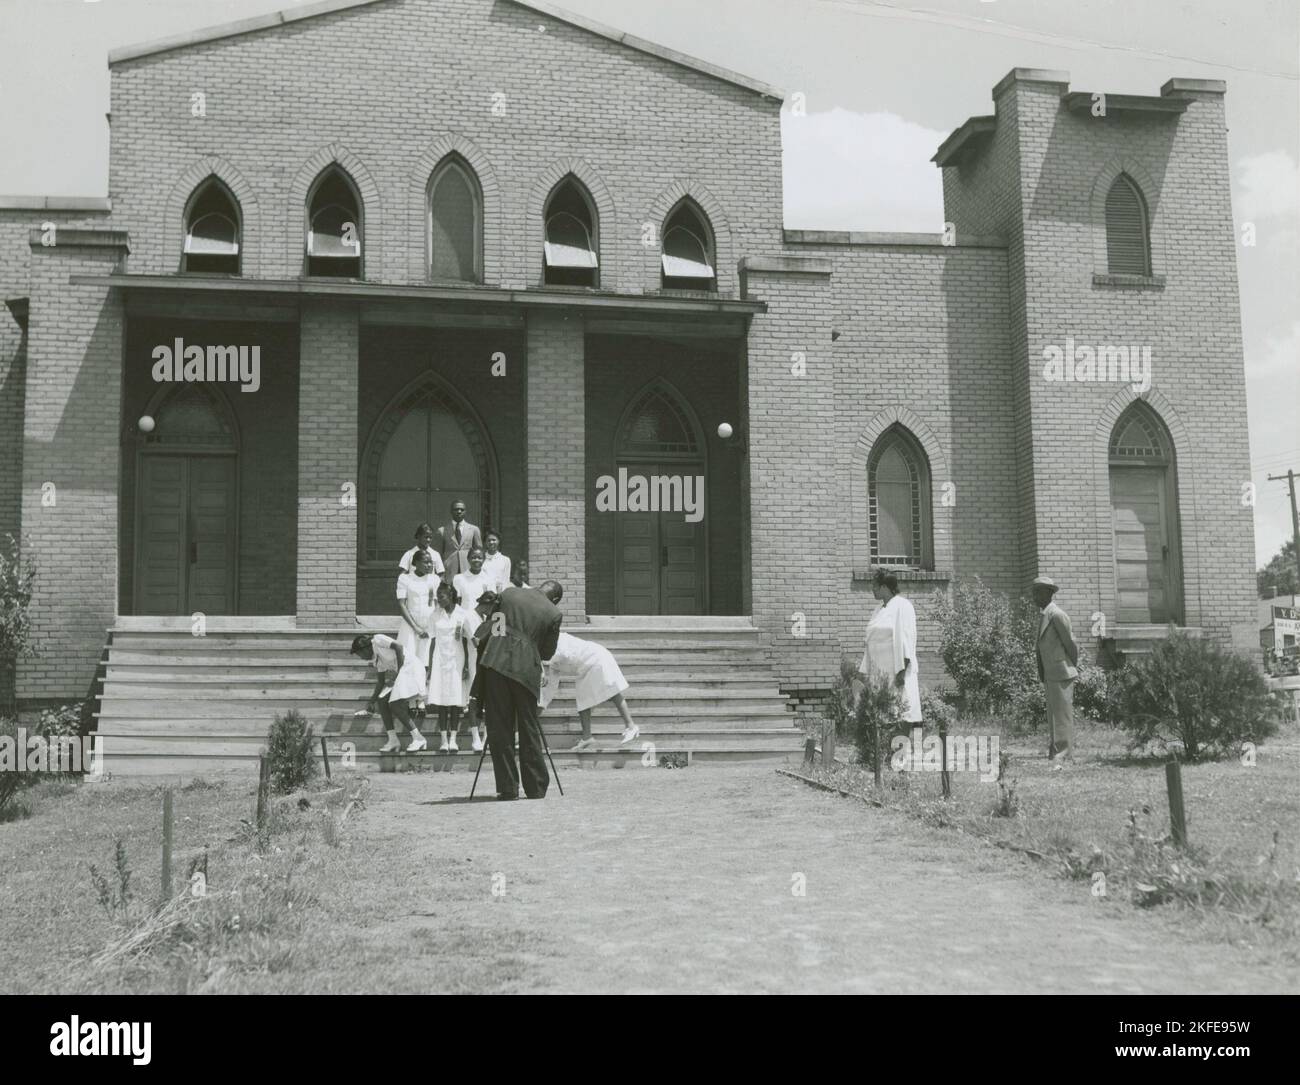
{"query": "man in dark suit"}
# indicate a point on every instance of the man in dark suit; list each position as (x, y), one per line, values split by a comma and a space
(455, 540)
(516, 638)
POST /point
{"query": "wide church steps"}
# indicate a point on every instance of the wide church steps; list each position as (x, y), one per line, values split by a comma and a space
(174, 703)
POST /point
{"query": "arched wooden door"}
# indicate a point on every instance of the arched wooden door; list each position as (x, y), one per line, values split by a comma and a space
(1143, 497)
(187, 497)
(660, 555)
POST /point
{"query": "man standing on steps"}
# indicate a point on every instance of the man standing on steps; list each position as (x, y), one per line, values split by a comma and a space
(521, 633)
(1058, 658)
(455, 540)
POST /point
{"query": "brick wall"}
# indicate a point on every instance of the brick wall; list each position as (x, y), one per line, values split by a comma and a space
(556, 413)
(70, 462)
(327, 463)
(411, 79)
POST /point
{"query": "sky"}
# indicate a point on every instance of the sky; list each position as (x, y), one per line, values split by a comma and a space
(883, 83)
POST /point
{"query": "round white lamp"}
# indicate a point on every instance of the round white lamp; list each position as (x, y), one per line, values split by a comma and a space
(725, 430)
(146, 424)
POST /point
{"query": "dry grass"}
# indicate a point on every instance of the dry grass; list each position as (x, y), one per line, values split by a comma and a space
(1108, 814)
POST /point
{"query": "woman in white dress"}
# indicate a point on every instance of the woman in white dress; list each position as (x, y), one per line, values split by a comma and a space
(891, 644)
(469, 586)
(398, 678)
(415, 600)
(423, 541)
(596, 679)
(496, 566)
(450, 676)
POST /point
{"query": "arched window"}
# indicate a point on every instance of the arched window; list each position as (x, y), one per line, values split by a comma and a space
(657, 428)
(1144, 515)
(426, 451)
(1128, 240)
(334, 226)
(455, 223)
(572, 236)
(192, 415)
(688, 262)
(898, 500)
(212, 230)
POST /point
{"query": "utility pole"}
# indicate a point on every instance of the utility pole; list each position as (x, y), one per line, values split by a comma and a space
(1289, 479)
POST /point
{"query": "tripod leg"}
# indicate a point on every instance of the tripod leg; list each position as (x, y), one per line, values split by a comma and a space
(481, 755)
(547, 747)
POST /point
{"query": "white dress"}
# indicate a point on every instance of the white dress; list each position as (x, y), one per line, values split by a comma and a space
(891, 640)
(405, 563)
(496, 567)
(416, 591)
(469, 586)
(450, 651)
(398, 685)
(594, 670)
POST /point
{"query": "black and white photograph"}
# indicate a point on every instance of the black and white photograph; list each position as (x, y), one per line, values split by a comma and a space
(650, 497)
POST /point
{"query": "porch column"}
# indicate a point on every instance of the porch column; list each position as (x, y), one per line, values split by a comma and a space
(327, 463)
(70, 459)
(557, 540)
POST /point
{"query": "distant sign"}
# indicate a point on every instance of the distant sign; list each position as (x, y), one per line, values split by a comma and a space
(1286, 621)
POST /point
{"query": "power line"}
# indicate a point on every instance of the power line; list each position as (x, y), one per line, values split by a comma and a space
(984, 25)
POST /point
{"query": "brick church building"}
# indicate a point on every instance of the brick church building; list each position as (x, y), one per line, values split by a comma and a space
(366, 257)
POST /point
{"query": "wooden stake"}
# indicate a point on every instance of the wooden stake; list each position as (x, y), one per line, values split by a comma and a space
(263, 784)
(167, 848)
(944, 778)
(809, 750)
(1177, 812)
(325, 756)
(875, 736)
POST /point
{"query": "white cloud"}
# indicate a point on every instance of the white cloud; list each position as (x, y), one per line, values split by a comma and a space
(1268, 184)
(861, 171)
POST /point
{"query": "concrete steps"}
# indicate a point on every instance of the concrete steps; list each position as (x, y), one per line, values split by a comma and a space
(174, 703)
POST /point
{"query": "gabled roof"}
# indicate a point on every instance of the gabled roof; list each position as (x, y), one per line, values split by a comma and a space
(326, 7)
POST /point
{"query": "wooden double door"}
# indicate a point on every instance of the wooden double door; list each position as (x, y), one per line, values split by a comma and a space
(185, 534)
(660, 556)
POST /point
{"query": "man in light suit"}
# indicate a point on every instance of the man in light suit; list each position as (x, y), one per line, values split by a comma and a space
(455, 540)
(522, 632)
(1058, 659)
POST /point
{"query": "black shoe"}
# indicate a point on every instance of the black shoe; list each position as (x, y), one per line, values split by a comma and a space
(507, 798)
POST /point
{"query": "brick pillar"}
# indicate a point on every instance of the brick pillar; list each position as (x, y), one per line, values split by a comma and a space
(327, 464)
(557, 543)
(71, 459)
(792, 488)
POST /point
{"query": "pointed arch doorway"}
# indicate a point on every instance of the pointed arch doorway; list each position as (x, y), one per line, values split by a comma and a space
(661, 564)
(187, 487)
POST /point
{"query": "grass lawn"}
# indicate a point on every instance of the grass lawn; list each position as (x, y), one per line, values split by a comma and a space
(712, 878)
(1109, 813)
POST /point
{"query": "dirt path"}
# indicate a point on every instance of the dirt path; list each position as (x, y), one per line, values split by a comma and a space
(657, 880)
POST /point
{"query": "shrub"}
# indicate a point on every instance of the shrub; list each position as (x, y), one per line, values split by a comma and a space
(290, 753)
(12, 778)
(988, 644)
(937, 709)
(1091, 693)
(1192, 691)
(1028, 708)
(17, 575)
(875, 719)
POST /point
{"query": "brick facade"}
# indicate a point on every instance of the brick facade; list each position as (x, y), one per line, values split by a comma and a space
(847, 334)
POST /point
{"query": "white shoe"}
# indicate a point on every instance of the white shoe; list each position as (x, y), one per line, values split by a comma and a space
(584, 744)
(443, 747)
(477, 747)
(391, 746)
(452, 747)
(418, 743)
(630, 733)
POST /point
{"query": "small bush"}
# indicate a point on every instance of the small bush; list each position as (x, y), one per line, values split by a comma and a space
(13, 779)
(17, 576)
(875, 720)
(988, 644)
(290, 753)
(1092, 693)
(1195, 693)
(1028, 709)
(937, 709)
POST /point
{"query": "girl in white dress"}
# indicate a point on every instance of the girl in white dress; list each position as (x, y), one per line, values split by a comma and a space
(423, 541)
(452, 627)
(596, 679)
(469, 586)
(496, 566)
(398, 678)
(415, 600)
(891, 644)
